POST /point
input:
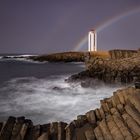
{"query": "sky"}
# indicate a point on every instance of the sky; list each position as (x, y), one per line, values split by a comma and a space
(48, 26)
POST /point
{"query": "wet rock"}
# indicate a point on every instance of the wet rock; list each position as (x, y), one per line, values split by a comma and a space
(54, 130)
(45, 128)
(102, 113)
(82, 119)
(61, 130)
(117, 54)
(133, 113)
(117, 118)
(122, 127)
(79, 133)
(6, 132)
(17, 128)
(137, 85)
(30, 130)
(110, 71)
(134, 127)
(91, 117)
(23, 131)
(44, 136)
(89, 133)
(113, 128)
(98, 133)
(105, 131)
(1, 125)
(61, 57)
(98, 115)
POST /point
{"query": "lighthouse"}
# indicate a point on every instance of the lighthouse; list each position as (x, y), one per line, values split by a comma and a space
(92, 41)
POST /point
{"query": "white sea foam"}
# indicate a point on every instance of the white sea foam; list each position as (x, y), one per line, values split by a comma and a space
(24, 58)
(45, 100)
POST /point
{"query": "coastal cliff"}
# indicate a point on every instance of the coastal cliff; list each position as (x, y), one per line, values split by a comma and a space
(118, 118)
(125, 69)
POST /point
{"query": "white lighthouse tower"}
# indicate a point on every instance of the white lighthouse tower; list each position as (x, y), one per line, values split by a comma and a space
(92, 41)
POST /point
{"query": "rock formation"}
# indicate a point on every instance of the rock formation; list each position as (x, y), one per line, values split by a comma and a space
(117, 54)
(61, 57)
(118, 118)
(123, 70)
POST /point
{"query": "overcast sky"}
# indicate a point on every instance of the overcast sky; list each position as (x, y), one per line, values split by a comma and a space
(46, 26)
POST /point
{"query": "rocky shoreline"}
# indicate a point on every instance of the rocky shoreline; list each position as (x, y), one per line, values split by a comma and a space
(118, 118)
(122, 67)
(60, 57)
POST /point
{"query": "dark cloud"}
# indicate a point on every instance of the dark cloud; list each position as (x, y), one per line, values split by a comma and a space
(44, 26)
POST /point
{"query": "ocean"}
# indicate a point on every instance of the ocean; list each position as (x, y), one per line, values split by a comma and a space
(39, 91)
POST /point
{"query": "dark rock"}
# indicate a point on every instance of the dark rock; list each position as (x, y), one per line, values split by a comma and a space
(70, 131)
(44, 136)
(61, 57)
(30, 130)
(6, 132)
(17, 128)
(137, 85)
(61, 130)
(54, 130)
(91, 117)
(110, 71)
(1, 125)
(45, 128)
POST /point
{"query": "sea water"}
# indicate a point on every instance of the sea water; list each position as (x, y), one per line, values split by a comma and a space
(39, 91)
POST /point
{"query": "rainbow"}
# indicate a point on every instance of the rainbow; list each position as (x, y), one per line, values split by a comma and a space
(105, 24)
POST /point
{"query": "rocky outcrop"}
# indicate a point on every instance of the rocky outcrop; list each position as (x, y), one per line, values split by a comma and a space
(118, 118)
(118, 54)
(70, 56)
(61, 57)
(124, 70)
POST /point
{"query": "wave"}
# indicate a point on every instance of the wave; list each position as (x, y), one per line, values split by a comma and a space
(25, 58)
(49, 99)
